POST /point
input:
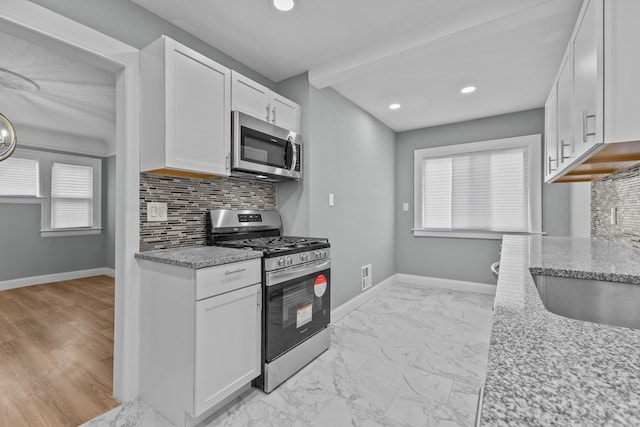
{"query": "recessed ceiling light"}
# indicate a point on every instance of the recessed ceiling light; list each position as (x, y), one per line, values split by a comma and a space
(468, 89)
(283, 5)
(394, 106)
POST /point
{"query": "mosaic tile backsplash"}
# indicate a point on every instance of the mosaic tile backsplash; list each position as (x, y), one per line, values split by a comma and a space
(621, 190)
(188, 201)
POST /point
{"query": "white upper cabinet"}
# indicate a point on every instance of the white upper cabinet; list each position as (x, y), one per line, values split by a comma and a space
(285, 113)
(258, 101)
(249, 97)
(598, 94)
(564, 111)
(185, 110)
(551, 133)
(587, 89)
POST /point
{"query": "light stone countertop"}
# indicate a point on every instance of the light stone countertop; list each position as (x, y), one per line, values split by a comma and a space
(199, 256)
(549, 370)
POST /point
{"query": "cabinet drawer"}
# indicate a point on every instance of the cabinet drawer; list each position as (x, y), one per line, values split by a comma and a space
(228, 277)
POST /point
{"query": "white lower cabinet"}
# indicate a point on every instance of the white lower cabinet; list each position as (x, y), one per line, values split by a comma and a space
(200, 332)
(227, 345)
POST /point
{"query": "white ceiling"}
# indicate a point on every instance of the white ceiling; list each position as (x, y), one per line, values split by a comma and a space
(74, 110)
(415, 52)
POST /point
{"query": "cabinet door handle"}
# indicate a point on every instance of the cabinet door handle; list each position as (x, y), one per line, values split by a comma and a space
(273, 113)
(585, 120)
(552, 160)
(240, 270)
(562, 156)
(268, 107)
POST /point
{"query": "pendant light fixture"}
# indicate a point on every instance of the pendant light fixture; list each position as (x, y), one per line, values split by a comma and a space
(8, 138)
(283, 5)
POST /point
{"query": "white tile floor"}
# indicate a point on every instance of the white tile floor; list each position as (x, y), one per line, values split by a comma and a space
(412, 356)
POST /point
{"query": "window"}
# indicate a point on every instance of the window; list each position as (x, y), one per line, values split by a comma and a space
(71, 196)
(480, 190)
(19, 177)
(68, 188)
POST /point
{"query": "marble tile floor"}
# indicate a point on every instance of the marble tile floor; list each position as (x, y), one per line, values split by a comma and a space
(411, 356)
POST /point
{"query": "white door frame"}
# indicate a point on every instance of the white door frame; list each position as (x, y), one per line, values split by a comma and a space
(126, 334)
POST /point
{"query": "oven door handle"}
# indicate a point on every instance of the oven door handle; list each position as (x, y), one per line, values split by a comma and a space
(279, 276)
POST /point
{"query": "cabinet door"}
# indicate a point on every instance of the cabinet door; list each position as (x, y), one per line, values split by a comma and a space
(227, 354)
(565, 126)
(585, 78)
(198, 114)
(551, 132)
(250, 97)
(285, 113)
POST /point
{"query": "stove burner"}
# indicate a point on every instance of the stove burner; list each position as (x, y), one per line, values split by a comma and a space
(276, 244)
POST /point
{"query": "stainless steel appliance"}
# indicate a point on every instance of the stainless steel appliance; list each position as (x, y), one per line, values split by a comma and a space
(262, 150)
(296, 289)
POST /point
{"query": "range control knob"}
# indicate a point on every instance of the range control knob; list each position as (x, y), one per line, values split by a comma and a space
(304, 257)
(317, 254)
(289, 261)
(281, 262)
(324, 254)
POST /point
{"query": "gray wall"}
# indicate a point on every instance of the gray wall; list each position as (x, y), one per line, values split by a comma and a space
(580, 209)
(126, 21)
(293, 197)
(23, 253)
(350, 154)
(464, 259)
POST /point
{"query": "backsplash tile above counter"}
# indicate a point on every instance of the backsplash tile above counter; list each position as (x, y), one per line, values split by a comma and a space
(188, 201)
(621, 191)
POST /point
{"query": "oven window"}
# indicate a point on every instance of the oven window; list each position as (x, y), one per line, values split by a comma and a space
(295, 310)
(297, 306)
(260, 148)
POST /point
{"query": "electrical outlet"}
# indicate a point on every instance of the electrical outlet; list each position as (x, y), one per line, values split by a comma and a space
(405, 206)
(156, 212)
(366, 276)
(331, 199)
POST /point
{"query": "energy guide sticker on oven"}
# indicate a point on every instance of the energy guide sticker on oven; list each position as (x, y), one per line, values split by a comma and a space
(304, 315)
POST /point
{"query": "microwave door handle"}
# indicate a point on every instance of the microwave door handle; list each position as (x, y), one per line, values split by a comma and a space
(294, 151)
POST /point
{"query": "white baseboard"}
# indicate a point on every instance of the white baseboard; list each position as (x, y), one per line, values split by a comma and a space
(344, 309)
(56, 277)
(454, 285)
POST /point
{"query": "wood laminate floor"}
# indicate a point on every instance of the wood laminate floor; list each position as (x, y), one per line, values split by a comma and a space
(56, 352)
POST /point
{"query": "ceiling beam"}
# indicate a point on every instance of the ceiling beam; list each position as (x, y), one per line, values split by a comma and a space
(489, 18)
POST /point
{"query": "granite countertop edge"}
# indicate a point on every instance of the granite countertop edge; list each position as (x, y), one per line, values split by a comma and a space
(197, 257)
(587, 275)
(549, 370)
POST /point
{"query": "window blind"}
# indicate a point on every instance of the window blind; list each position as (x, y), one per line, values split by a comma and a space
(477, 191)
(19, 177)
(71, 196)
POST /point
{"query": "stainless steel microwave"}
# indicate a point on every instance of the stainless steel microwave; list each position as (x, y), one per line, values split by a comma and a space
(262, 150)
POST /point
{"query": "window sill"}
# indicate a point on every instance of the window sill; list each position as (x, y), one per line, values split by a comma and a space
(23, 200)
(487, 235)
(71, 232)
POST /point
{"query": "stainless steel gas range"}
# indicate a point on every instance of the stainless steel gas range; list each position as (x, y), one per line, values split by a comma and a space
(296, 289)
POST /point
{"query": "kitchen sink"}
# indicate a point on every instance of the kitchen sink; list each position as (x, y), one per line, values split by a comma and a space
(608, 303)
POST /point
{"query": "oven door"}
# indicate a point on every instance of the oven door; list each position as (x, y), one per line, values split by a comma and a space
(296, 305)
(263, 148)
